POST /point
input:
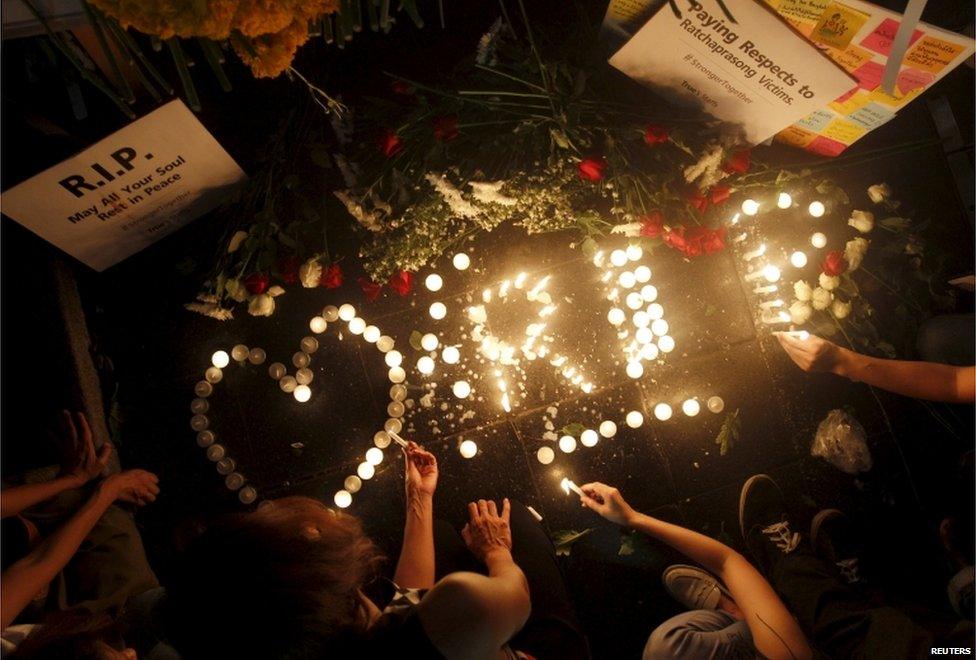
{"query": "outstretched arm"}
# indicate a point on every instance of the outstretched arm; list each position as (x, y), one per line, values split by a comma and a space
(921, 380)
(775, 632)
(415, 568)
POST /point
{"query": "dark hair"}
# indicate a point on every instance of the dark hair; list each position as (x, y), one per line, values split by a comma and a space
(279, 582)
(73, 635)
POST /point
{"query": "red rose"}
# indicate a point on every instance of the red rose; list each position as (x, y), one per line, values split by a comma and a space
(591, 169)
(401, 282)
(698, 200)
(652, 225)
(390, 143)
(370, 288)
(655, 134)
(446, 128)
(401, 88)
(288, 269)
(738, 162)
(834, 264)
(702, 240)
(676, 238)
(256, 283)
(331, 277)
(720, 194)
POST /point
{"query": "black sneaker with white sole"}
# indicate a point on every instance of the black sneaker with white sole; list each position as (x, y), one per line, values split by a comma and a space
(764, 520)
(834, 538)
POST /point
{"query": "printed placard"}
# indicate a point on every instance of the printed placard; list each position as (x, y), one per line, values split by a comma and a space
(128, 190)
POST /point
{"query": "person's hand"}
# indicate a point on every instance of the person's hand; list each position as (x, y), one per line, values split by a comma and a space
(608, 502)
(137, 487)
(421, 470)
(487, 532)
(812, 353)
(81, 462)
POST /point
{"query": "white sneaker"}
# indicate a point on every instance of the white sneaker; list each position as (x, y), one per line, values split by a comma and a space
(693, 587)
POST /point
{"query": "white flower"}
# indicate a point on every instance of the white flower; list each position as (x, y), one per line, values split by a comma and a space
(800, 312)
(275, 291)
(489, 192)
(213, 310)
(822, 298)
(863, 221)
(879, 192)
(459, 206)
(802, 290)
(236, 290)
(261, 305)
(829, 282)
(840, 309)
(854, 252)
(631, 229)
(309, 273)
(235, 241)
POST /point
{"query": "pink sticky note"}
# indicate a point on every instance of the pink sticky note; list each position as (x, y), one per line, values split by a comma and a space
(869, 75)
(844, 97)
(825, 146)
(910, 79)
(880, 40)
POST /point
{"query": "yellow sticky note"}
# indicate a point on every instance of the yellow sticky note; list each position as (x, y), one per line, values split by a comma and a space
(843, 131)
(931, 54)
(773, 4)
(851, 58)
(895, 101)
(853, 104)
(796, 136)
(838, 24)
(804, 11)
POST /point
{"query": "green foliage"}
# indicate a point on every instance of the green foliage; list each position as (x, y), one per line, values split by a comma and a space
(728, 435)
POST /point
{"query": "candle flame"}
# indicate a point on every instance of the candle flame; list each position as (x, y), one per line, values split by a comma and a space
(565, 485)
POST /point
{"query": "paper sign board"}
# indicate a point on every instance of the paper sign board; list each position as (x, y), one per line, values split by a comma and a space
(128, 190)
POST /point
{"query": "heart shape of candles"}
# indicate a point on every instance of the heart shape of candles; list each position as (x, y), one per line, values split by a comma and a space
(299, 385)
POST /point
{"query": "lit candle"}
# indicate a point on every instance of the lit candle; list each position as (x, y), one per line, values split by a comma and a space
(331, 313)
(342, 499)
(716, 404)
(257, 356)
(396, 438)
(374, 455)
(767, 288)
(784, 201)
(782, 317)
(666, 344)
(608, 429)
(741, 237)
(802, 335)
(425, 365)
(635, 369)
(818, 240)
(545, 455)
(287, 384)
(220, 359)
(634, 252)
(758, 252)
(461, 261)
(634, 419)
(450, 355)
(357, 326)
(353, 483)
(568, 485)
(239, 352)
(302, 393)
(567, 444)
(798, 259)
(771, 303)
(461, 389)
(616, 316)
(618, 258)
(438, 311)
(589, 438)
(317, 325)
(371, 334)
(691, 407)
(366, 471)
(310, 344)
(771, 273)
(393, 359)
(816, 209)
(643, 274)
(434, 282)
(347, 312)
(663, 412)
(468, 449)
(750, 207)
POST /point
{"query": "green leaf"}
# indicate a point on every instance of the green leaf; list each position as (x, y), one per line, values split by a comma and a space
(589, 247)
(559, 138)
(415, 338)
(564, 539)
(728, 435)
(627, 545)
(574, 429)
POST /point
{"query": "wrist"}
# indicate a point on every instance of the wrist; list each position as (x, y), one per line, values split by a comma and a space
(420, 502)
(69, 480)
(844, 363)
(633, 518)
(497, 555)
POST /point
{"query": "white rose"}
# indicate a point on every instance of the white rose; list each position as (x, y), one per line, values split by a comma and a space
(854, 252)
(863, 221)
(800, 312)
(879, 192)
(235, 241)
(309, 273)
(822, 298)
(829, 282)
(840, 309)
(802, 290)
(261, 305)
(275, 291)
(236, 290)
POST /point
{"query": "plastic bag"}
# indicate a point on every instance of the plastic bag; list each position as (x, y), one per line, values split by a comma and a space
(840, 441)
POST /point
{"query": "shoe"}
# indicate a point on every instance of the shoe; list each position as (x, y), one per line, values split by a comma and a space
(834, 538)
(693, 587)
(765, 522)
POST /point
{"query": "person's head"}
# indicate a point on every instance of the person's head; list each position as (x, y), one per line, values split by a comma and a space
(280, 582)
(76, 636)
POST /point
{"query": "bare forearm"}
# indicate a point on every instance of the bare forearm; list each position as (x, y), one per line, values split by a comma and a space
(921, 380)
(23, 579)
(415, 569)
(704, 550)
(15, 499)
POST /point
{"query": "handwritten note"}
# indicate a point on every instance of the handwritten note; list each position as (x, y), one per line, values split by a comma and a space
(850, 58)
(931, 54)
(796, 136)
(825, 146)
(881, 38)
(844, 131)
(804, 11)
(838, 24)
(869, 75)
(817, 120)
(910, 79)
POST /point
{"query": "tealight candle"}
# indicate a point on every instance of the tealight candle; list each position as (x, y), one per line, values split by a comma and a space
(608, 429)
(374, 456)
(468, 448)
(397, 375)
(450, 355)
(247, 495)
(691, 407)
(205, 438)
(304, 376)
(771, 273)
(395, 409)
(641, 319)
(461, 261)
(589, 438)
(750, 207)
(635, 300)
(567, 444)
(643, 274)
(461, 389)
(257, 356)
(199, 406)
(239, 352)
(342, 499)
(398, 392)
(634, 419)
(347, 312)
(649, 351)
(393, 359)
(798, 259)
(317, 325)
(438, 310)
(366, 470)
(434, 282)
(755, 254)
(635, 369)
(385, 344)
(371, 334)
(276, 370)
(655, 311)
(429, 342)
(616, 316)
(203, 389)
(220, 359)
(644, 335)
(331, 313)
(425, 365)
(663, 412)
(215, 453)
(310, 344)
(634, 252)
(618, 258)
(649, 293)
(234, 480)
(226, 466)
(300, 359)
(357, 326)
(784, 201)
(353, 483)
(666, 344)
(818, 240)
(545, 455)
(213, 375)
(199, 422)
(302, 393)
(659, 327)
(816, 209)
(382, 439)
(716, 404)
(627, 279)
